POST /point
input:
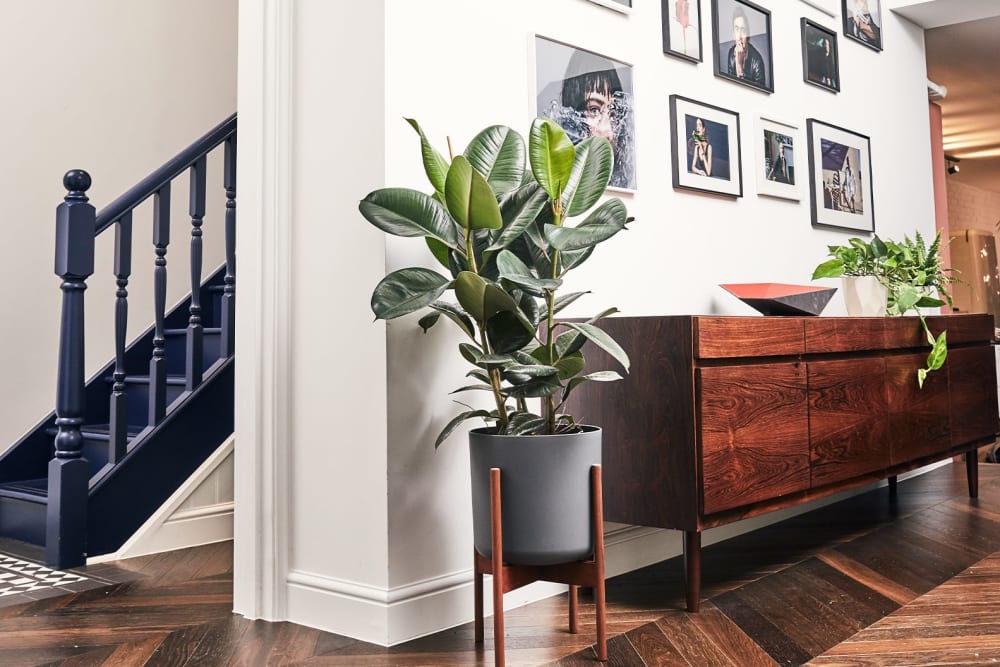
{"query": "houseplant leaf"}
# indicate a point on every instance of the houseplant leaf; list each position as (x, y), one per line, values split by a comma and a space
(454, 423)
(498, 154)
(589, 177)
(405, 212)
(602, 340)
(405, 291)
(602, 224)
(518, 210)
(516, 271)
(551, 155)
(508, 333)
(470, 199)
(435, 166)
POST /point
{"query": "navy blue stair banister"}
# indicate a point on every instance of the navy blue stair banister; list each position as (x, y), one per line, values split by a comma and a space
(117, 445)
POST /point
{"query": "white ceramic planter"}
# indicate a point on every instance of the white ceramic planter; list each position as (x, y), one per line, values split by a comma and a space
(864, 296)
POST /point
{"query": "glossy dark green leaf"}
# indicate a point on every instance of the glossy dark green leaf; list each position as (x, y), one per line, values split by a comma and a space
(435, 166)
(514, 270)
(405, 291)
(572, 259)
(519, 209)
(456, 315)
(564, 300)
(524, 423)
(602, 224)
(470, 199)
(472, 387)
(600, 376)
(440, 251)
(570, 365)
(589, 177)
(498, 154)
(405, 212)
(536, 388)
(471, 292)
(602, 340)
(428, 320)
(551, 154)
(454, 423)
(507, 333)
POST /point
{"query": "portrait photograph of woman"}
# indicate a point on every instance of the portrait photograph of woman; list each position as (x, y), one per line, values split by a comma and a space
(705, 147)
(863, 21)
(588, 95)
(840, 177)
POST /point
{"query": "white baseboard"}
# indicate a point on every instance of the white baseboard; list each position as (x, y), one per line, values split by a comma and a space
(392, 616)
(169, 528)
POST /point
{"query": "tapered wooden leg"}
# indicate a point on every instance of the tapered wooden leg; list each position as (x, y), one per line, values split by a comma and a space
(496, 521)
(892, 486)
(972, 472)
(572, 609)
(692, 569)
(477, 586)
(598, 496)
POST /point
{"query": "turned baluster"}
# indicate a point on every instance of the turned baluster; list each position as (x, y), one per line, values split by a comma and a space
(158, 362)
(195, 331)
(66, 513)
(228, 343)
(118, 421)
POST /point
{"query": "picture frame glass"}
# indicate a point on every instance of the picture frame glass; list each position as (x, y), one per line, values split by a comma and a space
(741, 34)
(863, 22)
(820, 58)
(588, 94)
(779, 154)
(840, 177)
(682, 28)
(706, 147)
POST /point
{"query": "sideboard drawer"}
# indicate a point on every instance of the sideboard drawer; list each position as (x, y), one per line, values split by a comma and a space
(729, 337)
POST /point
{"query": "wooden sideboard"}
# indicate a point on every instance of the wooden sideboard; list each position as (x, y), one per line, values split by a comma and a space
(723, 418)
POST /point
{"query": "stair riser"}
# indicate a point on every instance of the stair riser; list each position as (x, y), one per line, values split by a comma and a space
(22, 520)
(137, 399)
(177, 352)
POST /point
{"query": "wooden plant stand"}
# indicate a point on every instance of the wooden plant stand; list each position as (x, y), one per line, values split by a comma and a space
(510, 577)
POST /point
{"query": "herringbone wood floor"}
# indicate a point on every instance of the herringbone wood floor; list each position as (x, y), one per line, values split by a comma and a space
(855, 583)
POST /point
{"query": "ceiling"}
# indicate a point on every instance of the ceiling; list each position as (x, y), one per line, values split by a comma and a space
(963, 51)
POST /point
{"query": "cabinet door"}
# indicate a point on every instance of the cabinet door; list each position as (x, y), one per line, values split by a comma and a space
(752, 428)
(847, 419)
(919, 418)
(972, 380)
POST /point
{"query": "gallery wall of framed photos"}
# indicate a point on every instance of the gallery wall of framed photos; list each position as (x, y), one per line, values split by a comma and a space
(655, 49)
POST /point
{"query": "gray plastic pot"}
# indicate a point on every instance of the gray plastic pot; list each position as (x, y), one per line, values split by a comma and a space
(545, 492)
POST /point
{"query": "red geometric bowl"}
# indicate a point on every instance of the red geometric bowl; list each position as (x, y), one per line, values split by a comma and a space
(782, 299)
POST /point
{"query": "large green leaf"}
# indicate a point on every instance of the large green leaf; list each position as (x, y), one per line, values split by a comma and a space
(516, 271)
(551, 155)
(590, 175)
(454, 423)
(507, 332)
(832, 268)
(455, 314)
(600, 376)
(602, 340)
(570, 365)
(481, 299)
(470, 199)
(602, 224)
(572, 259)
(498, 154)
(435, 165)
(405, 212)
(405, 291)
(440, 251)
(519, 209)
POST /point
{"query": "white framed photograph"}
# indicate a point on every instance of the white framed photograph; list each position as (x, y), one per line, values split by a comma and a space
(840, 177)
(588, 94)
(623, 6)
(705, 147)
(778, 151)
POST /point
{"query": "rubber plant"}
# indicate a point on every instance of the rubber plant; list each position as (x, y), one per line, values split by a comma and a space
(912, 273)
(504, 224)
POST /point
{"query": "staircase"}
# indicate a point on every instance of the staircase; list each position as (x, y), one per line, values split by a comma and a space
(119, 444)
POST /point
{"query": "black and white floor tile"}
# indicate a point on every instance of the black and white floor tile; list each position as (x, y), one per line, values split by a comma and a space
(21, 576)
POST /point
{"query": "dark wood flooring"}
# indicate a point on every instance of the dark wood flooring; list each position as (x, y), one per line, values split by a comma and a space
(867, 581)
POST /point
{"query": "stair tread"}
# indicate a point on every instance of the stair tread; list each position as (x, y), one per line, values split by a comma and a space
(33, 490)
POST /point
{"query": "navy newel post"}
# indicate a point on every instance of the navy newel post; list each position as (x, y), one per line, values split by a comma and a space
(195, 330)
(66, 532)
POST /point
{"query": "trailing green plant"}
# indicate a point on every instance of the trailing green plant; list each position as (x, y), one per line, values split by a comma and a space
(500, 229)
(912, 273)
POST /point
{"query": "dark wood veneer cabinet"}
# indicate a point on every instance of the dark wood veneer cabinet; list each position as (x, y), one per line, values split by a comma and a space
(723, 418)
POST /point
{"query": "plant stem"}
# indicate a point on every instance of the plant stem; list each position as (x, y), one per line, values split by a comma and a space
(550, 303)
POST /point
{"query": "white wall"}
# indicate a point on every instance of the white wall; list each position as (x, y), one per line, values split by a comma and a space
(347, 518)
(117, 88)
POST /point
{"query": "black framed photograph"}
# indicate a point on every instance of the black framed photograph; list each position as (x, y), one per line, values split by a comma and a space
(682, 28)
(741, 37)
(863, 22)
(623, 6)
(820, 60)
(588, 94)
(779, 145)
(705, 147)
(840, 177)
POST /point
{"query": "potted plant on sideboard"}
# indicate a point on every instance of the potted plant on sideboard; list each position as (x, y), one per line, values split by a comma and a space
(908, 275)
(501, 232)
